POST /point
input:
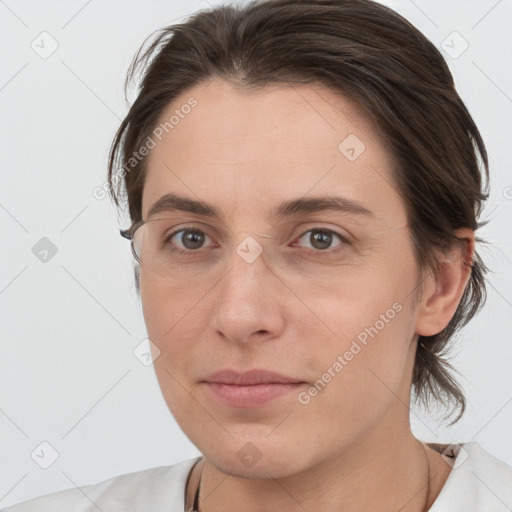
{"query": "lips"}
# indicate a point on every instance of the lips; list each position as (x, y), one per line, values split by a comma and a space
(250, 389)
(250, 378)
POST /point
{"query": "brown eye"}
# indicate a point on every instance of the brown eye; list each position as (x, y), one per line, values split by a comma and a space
(187, 239)
(321, 240)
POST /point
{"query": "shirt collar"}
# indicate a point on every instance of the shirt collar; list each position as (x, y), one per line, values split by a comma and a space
(478, 481)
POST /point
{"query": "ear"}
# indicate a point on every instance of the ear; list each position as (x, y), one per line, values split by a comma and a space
(442, 292)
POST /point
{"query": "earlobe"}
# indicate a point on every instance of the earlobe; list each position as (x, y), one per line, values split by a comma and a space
(443, 290)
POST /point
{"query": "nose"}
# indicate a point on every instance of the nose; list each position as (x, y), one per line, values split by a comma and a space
(250, 298)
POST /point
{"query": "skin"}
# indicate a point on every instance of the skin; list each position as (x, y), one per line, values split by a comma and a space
(351, 447)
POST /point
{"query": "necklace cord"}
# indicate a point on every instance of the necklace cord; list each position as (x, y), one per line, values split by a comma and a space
(425, 506)
(195, 506)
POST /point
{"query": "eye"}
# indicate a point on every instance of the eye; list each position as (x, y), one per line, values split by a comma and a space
(187, 239)
(321, 239)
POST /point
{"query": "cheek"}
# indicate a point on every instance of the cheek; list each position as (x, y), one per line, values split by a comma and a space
(359, 372)
(172, 319)
(371, 326)
(175, 323)
(169, 309)
(370, 334)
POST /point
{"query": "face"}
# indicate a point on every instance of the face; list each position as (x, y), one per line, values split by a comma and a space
(325, 298)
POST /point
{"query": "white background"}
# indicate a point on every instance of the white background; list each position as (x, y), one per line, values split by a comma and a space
(68, 375)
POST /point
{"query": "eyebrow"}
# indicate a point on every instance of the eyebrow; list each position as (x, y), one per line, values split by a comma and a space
(172, 202)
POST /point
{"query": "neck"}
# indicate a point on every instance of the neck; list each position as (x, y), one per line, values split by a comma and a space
(386, 476)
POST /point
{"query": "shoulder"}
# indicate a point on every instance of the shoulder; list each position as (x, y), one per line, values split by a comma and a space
(478, 481)
(154, 489)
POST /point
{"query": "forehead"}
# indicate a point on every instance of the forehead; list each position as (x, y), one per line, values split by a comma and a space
(248, 150)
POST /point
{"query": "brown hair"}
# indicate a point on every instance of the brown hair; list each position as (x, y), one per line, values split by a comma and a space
(368, 53)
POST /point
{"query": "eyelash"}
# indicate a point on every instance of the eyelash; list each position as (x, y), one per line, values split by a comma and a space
(344, 241)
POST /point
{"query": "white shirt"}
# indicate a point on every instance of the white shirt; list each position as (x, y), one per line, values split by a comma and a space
(478, 481)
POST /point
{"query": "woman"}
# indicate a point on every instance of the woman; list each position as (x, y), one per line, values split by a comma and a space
(303, 184)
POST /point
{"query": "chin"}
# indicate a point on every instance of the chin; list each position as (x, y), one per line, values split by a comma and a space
(270, 466)
(256, 457)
